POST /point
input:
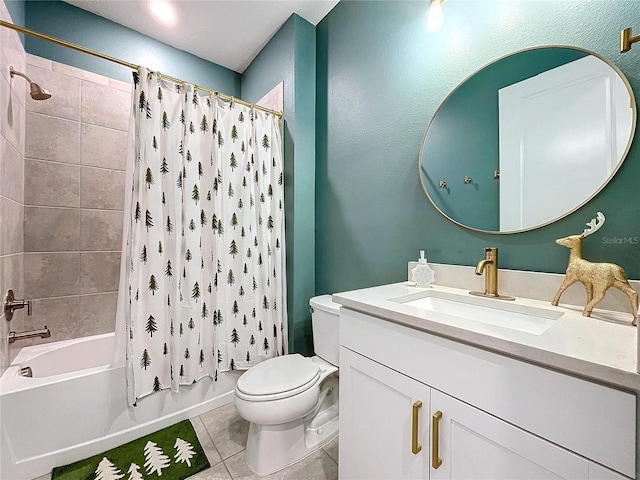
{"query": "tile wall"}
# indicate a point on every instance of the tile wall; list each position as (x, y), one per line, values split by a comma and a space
(274, 99)
(12, 144)
(75, 151)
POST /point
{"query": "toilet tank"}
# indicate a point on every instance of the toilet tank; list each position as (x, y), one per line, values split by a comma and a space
(325, 321)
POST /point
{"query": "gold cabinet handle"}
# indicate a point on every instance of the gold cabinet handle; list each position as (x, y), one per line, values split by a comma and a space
(436, 461)
(415, 446)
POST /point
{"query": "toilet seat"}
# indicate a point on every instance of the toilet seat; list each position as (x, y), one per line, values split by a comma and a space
(278, 378)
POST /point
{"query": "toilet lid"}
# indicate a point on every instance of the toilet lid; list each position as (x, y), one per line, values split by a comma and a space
(279, 375)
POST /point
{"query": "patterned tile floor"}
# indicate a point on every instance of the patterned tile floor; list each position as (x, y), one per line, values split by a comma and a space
(223, 436)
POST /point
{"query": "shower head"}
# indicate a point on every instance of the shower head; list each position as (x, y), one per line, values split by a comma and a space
(37, 92)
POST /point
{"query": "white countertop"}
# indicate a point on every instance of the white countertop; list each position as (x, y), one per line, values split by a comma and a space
(601, 347)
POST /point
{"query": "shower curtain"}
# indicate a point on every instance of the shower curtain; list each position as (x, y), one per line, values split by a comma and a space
(203, 270)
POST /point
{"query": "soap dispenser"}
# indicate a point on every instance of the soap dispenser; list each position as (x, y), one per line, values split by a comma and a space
(423, 274)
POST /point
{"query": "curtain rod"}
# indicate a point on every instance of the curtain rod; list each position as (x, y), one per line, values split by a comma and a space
(132, 66)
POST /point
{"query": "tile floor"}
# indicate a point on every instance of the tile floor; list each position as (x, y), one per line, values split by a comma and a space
(223, 436)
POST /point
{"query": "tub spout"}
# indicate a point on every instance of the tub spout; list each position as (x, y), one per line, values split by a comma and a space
(42, 333)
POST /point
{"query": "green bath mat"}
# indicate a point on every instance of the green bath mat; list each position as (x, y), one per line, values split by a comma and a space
(173, 453)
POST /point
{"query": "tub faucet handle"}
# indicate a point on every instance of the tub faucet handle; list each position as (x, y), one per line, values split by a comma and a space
(11, 304)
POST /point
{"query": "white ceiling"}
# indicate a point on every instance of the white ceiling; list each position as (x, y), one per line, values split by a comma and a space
(227, 32)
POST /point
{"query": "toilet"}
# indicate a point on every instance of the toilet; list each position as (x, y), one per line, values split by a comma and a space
(291, 401)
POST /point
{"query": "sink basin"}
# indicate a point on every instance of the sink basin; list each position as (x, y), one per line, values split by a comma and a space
(489, 311)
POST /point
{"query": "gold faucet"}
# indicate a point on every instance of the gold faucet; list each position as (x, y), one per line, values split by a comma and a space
(489, 266)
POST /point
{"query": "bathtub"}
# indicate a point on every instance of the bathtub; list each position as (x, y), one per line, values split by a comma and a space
(74, 406)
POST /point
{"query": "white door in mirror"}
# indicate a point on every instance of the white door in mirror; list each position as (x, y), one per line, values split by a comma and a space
(561, 133)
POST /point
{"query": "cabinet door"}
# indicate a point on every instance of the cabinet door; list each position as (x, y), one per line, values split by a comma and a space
(476, 445)
(377, 407)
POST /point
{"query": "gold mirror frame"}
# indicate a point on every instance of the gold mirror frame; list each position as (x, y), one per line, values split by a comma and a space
(590, 197)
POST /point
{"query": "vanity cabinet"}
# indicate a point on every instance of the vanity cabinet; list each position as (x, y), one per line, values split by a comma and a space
(414, 405)
(376, 410)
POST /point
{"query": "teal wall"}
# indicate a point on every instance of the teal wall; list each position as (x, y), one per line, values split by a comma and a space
(289, 57)
(463, 137)
(381, 76)
(378, 77)
(16, 10)
(64, 21)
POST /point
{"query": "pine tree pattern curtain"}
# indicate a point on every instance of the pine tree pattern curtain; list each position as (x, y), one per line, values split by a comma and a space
(205, 253)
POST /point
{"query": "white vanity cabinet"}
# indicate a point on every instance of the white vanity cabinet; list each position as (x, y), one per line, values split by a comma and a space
(409, 398)
(376, 423)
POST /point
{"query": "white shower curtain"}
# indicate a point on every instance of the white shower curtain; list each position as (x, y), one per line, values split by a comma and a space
(203, 271)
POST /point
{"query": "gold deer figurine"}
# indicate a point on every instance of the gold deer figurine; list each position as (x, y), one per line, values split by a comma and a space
(597, 278)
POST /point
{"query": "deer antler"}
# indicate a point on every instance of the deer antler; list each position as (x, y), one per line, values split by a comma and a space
(594, 225)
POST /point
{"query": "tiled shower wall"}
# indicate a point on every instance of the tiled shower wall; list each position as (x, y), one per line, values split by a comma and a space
(74, 172)
(12, 140)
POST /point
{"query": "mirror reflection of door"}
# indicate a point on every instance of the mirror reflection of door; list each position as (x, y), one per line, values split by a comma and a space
(556, 130)
(463, 139)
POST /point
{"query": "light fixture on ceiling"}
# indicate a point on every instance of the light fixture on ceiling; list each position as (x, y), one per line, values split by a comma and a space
(435, 19)
(163, 11)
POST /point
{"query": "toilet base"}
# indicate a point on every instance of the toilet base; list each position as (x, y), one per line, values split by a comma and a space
(273, 447)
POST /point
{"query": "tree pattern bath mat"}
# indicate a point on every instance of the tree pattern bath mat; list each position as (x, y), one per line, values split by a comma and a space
(173, 453)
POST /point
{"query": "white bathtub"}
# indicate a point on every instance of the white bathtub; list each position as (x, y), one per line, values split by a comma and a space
(75, 406)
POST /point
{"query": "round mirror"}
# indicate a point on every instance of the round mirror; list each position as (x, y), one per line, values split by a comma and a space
(527, 139)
